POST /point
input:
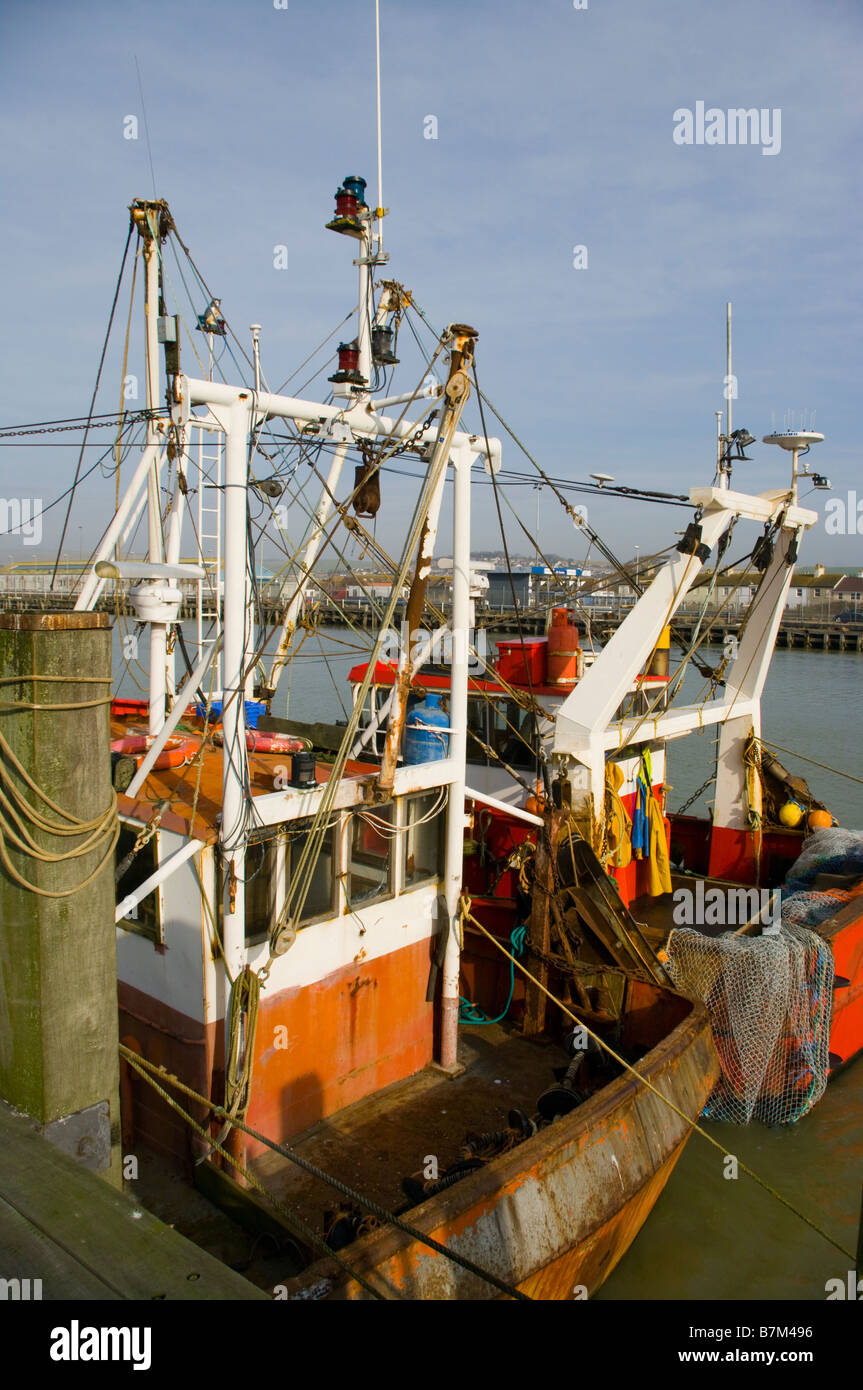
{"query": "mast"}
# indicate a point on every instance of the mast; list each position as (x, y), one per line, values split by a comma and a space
(350, 383)
(147, 217)
(454, 861)
(364, 262)
(379, 211)
(235, 809)
(723, 466)
(455, 399)
(729, 378)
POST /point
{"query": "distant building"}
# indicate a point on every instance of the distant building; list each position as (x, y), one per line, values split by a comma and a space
(536, 587)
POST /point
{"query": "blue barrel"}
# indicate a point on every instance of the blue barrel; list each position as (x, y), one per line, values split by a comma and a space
(424, 744)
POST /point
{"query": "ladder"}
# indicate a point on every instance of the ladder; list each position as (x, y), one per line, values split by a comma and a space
(210, 465)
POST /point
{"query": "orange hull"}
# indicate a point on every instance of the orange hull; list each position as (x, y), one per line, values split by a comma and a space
(844, 932)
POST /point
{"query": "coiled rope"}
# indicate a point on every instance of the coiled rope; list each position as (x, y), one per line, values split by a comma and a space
(470, 1013)
(242, 1030)
(19, 815)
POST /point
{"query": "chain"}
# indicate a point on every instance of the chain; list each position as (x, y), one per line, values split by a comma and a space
(696, 795)
(134, 418)
(145, 834)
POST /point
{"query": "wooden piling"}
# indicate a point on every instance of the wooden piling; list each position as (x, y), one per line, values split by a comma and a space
(58, 1023)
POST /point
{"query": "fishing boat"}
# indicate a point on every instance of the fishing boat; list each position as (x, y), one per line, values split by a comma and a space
(292, 912)
(410, 977)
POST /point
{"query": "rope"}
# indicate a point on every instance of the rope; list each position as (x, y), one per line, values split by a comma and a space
(75, 480)
(470, 1013)
(374, 1207)
(34, 678)
(466, 916)
(243, 1027)
(16, 811)
(825, 767)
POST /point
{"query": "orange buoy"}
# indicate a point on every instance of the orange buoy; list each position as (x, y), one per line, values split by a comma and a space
(819, 820)
(563, 649)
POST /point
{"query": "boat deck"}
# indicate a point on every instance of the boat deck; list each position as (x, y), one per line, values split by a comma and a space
(195, 803)
(373, 1144)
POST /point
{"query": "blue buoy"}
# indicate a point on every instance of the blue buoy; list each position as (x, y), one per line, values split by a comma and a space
(423, 742)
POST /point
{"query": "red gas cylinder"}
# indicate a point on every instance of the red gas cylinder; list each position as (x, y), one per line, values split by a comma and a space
(563, 649)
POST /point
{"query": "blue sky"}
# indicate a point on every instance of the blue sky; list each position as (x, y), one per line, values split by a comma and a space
(554, 130)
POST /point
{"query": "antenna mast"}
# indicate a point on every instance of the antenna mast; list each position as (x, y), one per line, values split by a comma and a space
(380, 207)
(729, 379)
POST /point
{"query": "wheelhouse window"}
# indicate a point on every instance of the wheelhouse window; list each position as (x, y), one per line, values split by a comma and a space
(276, 876)
(370, 867)
(477, 729)
(320, 897)
(513, 733)
(423, 836)
(261, 887)
(373, 708)
(144, 917)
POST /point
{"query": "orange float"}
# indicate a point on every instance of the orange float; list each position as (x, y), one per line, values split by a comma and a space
(259, 741)
(177, 750)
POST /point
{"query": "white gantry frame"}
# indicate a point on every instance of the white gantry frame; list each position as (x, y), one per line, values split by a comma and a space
(234, 410)
(584, 727)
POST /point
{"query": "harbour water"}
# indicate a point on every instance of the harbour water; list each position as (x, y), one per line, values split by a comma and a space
(709, 1236)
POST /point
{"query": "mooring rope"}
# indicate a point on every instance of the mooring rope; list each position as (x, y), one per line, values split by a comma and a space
(16, 811)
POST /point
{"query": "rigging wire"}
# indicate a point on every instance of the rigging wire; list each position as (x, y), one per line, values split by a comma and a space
(146, 125)
(93, 400)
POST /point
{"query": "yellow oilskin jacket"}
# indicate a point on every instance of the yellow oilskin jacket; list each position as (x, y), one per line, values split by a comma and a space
(618, 826)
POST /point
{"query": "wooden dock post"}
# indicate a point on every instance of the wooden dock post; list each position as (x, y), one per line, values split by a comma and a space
(58, 980)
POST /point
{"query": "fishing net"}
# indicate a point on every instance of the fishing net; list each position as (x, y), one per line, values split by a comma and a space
(811, 909)
(770, 1002)
(833, 851)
